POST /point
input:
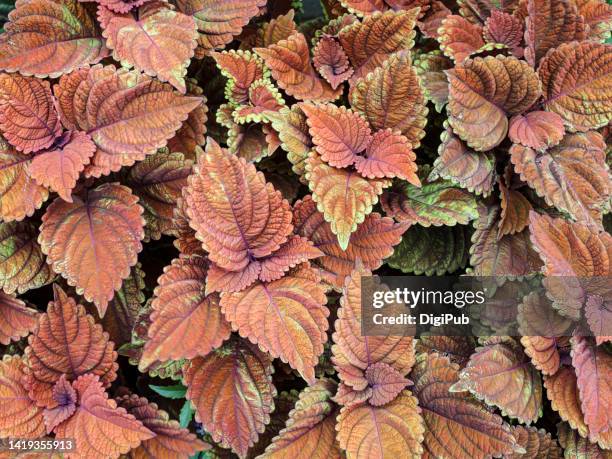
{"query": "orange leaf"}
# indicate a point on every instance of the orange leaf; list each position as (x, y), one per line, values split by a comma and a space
(338, 133)
(354, 353)
(279, 28)
(537, 444)
(430, 67)
(28, 119)
(577, 82)
(364, 7)
(393, 430)
(65, 398)
(456, 424)
(158, 182)
(185, 321)
(593, 366)
(236, 213)
(218, 26)
(295, 251)
(514, 211)
(66, 330)
(242, 68)
(20, 195)
(388, 155)
(81, 240)
(22, 263)
(572, 176)
(310, 430)
(483, 91)
(538, 130)
(50, 38)
(578, 447)
(343, 196)
(550, 23)
(191, 133)
(59, 167)
(391, 97)
(331, 61)
(598, 16)
(128, 116)
(160, 43)
(371, 243)
(240, 376)
(506, 29)
(285, 317)
(16, 319)
(562, 391)
(462, 165)
(459, 38)
(98, 427)
(170, 439)
(290, 63)
(386, 383)
(368, 44)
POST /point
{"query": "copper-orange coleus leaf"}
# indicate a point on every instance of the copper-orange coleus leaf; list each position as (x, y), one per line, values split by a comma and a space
(459, 38)
(550, 23)
(128, 115)
(371, 42)
(289, 61)
(98, 427)
(577, 84)
(286, 317)
(354, 354)
(242, 68)
(310, 429)
(343, 196)
(455, 422)
(538, 130)
(170, 439)
(502, 375)
(27, 117)
(241, 377)
(573, 176)
(16, 319)
(19, 415)
(483, 91)
(218, 26)
(514, 211)
(66, 330)
(391, 97)
(331, 61)
(238, 216)
(160, 43)
(94, 241)
(392, 430)
(371, 243)
(22, 263)
(506, 29)
(50, 38)
(185, 321)
(65, 398)
(58, 167)
(593, 367)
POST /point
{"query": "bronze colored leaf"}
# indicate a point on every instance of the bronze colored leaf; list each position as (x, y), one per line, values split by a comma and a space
(16, 319)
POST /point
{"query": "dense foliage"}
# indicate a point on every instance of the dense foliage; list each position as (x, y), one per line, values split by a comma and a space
(191, 191)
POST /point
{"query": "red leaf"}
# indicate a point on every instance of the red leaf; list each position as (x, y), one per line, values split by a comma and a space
(66, 330)
(16, 319)
(236, 214)
(28, 119)
(98, 427)
(295, 251)
(506, 29)
(59, 167)
(459, 38)
(94, 241)
(50, 38)
(285, 317)
(241, 377)
(185, 321)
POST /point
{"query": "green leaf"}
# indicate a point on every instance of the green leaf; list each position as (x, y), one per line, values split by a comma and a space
(430, 251)
(177, 391)
(186, 414)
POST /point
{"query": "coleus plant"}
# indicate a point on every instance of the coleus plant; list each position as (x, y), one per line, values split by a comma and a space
(423, 137)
